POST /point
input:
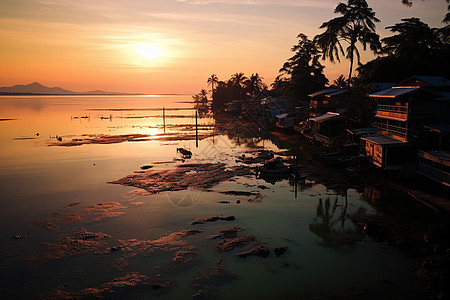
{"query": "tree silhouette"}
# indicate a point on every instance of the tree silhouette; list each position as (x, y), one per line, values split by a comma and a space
(279, 85)
(213, 80)
(304, 71)
(340, 82)
(413, 39)
(253, 85)
(356, 24)
(238, 80)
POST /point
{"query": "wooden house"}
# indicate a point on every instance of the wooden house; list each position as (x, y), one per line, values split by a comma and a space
(404, 114)
(326, 128)
(328, 100)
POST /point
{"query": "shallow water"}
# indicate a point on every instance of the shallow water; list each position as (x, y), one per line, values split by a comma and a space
(49, 193)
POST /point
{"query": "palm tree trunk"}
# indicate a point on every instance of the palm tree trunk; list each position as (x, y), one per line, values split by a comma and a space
(352, 47)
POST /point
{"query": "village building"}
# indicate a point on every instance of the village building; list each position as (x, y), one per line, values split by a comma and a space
(406, 115)
(326, 128)
(328, 100)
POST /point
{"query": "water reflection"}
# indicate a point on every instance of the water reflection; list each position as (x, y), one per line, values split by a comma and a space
(333, 225)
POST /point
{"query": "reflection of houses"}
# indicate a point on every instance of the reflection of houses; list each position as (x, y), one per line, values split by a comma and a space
(326, 128)
(328, 100)
(435, 165)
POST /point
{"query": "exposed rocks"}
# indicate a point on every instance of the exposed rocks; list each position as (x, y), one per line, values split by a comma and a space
(106, 290)
(173, 241)
(47, 225)
(203, 220)
(146, 167)
(225, 233)
(197, 176)
(280, 250)
(228, 245)
(260, 251)
(81, 242)
(239, 193)
(184, 257)
(101, 139)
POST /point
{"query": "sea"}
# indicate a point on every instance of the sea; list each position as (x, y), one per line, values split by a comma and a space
(68, 232)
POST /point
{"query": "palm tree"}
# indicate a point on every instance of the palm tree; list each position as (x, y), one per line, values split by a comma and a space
(203, 96)
(237, 80)
(279, 85)
(213, 80)
(303, 71)
(340, 82)
(254, 84)
(357, 24)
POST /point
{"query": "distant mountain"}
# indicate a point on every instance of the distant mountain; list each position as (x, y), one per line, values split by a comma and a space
(36, 88)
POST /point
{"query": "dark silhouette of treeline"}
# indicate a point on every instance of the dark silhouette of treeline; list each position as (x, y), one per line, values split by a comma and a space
(414, 48)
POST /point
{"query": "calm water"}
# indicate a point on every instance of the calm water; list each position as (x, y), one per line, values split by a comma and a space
(43, 184)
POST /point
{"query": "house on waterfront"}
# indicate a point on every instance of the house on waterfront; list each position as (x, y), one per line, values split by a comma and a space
(326, 128)
(403, 114)
(354, 136)
(328, 100)
(270, 107)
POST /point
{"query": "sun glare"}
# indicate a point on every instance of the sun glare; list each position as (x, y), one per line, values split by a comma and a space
(149, 51)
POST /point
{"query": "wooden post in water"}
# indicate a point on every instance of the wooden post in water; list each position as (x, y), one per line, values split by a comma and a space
(196, 130)
(164, 119)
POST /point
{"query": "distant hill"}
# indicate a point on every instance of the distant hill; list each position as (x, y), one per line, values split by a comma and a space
(36, 88)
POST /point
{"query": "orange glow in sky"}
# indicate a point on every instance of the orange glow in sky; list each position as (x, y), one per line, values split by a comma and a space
(167, 46)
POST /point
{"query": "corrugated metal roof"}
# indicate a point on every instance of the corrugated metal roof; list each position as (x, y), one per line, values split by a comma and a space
(322, 92)
(370, 130)
(442, 157)
(325, 117)
(343, 91)
(381, 139)
(394, 92)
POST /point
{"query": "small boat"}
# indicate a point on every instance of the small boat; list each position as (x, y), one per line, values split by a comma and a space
(274, 167)
(184, 152)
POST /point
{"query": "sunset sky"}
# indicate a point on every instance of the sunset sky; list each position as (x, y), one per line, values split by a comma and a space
(166, 46)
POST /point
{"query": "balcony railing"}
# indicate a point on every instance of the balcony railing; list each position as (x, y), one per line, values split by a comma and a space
(402, 131)
(393, 108)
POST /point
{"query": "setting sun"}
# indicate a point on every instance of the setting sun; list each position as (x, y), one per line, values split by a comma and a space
(149, 51)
